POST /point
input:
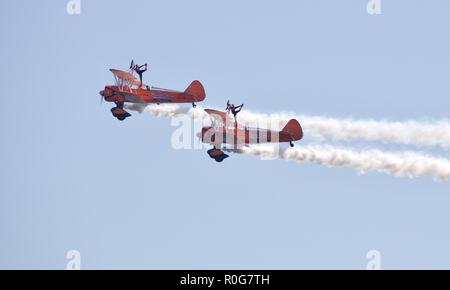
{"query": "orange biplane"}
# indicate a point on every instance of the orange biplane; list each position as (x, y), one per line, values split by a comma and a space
(227, 132)
(128, 89)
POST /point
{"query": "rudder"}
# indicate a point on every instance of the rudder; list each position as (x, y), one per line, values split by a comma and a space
(294, 128)
(196, 90)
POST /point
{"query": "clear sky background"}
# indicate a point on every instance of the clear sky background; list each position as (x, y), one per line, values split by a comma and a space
(73, 177)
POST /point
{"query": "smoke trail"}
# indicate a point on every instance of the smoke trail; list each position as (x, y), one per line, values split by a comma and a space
(167, 110)
(409, 164)
(159, 111)
(407, 133)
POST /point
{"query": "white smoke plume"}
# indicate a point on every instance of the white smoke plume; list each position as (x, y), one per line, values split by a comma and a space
(167, 110)
(409, 164)
(416, 133)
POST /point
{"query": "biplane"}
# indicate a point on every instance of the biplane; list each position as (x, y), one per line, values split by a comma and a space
(128, 89)
(226, 133)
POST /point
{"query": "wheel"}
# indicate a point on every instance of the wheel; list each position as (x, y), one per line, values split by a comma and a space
(194, 105)
(221, 158)
(291, 144)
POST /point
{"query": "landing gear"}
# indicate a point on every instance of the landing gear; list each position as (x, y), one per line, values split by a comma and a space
(194, 105)
(217, 154)
(291, 144)
(221, 158)
(120, 113)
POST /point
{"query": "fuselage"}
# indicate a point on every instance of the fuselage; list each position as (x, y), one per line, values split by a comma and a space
(116, 94)
(243, 136)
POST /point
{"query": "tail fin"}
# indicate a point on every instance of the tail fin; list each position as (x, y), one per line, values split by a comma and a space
(294, 129)
(196, 90)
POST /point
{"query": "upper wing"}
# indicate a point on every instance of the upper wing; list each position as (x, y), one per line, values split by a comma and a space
(125, 78)
(219, 117)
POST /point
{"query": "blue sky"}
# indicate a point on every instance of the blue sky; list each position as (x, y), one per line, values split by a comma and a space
(73, 177)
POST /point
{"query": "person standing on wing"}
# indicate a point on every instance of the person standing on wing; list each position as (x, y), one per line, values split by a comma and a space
(138, 69)
(233, 109)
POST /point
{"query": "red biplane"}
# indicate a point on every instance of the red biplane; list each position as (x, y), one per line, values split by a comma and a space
(128, 89)
(225, 131)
